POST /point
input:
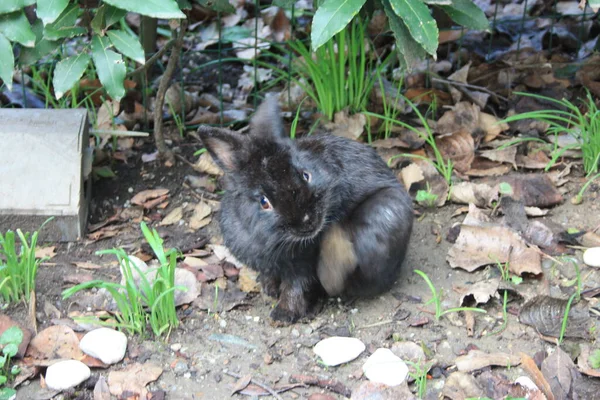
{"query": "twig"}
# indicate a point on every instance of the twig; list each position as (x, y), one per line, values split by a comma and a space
(257, 383)
(119, 133)
(152, 59)
(468, 86)
(376, 324)
(163, 150)
(330, 384)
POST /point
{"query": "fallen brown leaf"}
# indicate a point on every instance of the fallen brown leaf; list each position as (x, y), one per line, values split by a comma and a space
(173, 217)
(561, 373)
(133, 379)
(248, 280)
(348, 126)
(54, 343)
(536, 190)
(101, 390)
(86, 265)
(479, 194)
(461, 386)
(145, 195)
(583, 362)
(45, 252)
(458, 147)
(529, 365)
(410, 174)
(477, 359)
(479, 292)
(206, 165)
(546, 313)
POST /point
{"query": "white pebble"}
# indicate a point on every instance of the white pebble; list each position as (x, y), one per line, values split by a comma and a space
(592, 257)
(385, 367)
(176, 346)
(105, 344)
(337, 350)
(66, 374)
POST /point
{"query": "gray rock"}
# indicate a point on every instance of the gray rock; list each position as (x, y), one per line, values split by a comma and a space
(105, 344)
(66, 374)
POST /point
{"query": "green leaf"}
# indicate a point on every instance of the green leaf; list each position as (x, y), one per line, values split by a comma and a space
(287, 4)
(64, 26)
(152, 8)
(184, 5)
(97, 23)
(505, 188)
(129, 45)
(7, 393)
(410, 53)
(15, 370)
(112, 15)
(3, 379)
(13, 335)
(68, 72)
(331, 17)
(30, 55)
(467, 14)
(7, 61)
(594, 5)
(420, 23)
(10, 350)
(104, 172)
(2, 361)
(49, 10)
(217, 5)
(16, 28)
(109, 66)
(8, 6)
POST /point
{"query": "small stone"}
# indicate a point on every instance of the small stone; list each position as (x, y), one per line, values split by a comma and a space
(385, 367)
(105, 344)
(176, 346)
(181, 367)
(592, 257)
(66, 374)
(337, 350)
(295, 333)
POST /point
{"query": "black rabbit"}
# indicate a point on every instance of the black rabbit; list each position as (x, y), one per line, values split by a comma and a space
(321, 215)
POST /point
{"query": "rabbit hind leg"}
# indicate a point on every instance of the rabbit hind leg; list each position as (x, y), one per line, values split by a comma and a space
(380, 228)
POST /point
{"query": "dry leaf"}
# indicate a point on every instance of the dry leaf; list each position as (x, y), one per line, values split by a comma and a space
(561, 373)
(410, 174)
(101, 390)
(479, 194)
(479, 293)
(461, 386)
(206, 165)
(529, 365)
(477, 246)
(86, 265)
(173, 217)
(489, 124)
(348, 126)
(484, 167)
(248, 280)
(535, 190)
(546, 313)
(187, 279)
(506, 155)
(194, 262)
(54, 343)
(145, 195)
(133, 379)
(477, 359)
(462, 117)
(583, 362)
(198, 218)
(43, 252)
(241, 384)
(458, 147)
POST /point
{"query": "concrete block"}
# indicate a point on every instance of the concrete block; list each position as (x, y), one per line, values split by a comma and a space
(42, 171)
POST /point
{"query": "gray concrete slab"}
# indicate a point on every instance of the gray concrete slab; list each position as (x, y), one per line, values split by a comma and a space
(42, 171)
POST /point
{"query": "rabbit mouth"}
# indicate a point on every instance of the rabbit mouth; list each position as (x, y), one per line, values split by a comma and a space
(310, 231)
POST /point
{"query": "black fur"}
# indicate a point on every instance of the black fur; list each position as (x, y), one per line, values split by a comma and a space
(350, 186)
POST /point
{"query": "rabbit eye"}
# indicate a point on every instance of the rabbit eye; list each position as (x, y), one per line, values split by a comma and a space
(306, 175)
(265, 203)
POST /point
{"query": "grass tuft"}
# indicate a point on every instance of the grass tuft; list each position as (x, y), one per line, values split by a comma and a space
(146, 297)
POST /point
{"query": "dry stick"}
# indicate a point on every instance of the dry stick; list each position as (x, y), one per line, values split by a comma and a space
(468, 86)
(330, 384)
(152, 59)
(163, 150)
(262, 385)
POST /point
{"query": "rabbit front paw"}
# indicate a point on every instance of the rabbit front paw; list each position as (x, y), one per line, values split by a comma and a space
(270, 285)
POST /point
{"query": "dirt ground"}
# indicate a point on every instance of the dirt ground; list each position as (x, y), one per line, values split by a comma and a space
(196, 363)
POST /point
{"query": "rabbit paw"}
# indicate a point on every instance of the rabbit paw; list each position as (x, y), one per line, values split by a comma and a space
(270, 285)
(282, 316)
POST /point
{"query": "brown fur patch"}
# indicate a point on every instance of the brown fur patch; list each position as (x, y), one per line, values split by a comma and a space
(337, 259)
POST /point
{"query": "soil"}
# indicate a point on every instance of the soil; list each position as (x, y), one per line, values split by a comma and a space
(198, 367)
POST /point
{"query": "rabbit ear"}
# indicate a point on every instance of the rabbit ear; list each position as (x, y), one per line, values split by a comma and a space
(267, 121)
(226, 147)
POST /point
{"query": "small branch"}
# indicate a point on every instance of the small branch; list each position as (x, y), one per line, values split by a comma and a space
(330, 384)
(163, 150)
(152, 59)
(102, 132)
(472, 87)
(376, 324)
(262, 385)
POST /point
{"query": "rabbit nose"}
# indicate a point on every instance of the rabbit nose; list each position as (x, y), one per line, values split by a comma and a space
(305, 219)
